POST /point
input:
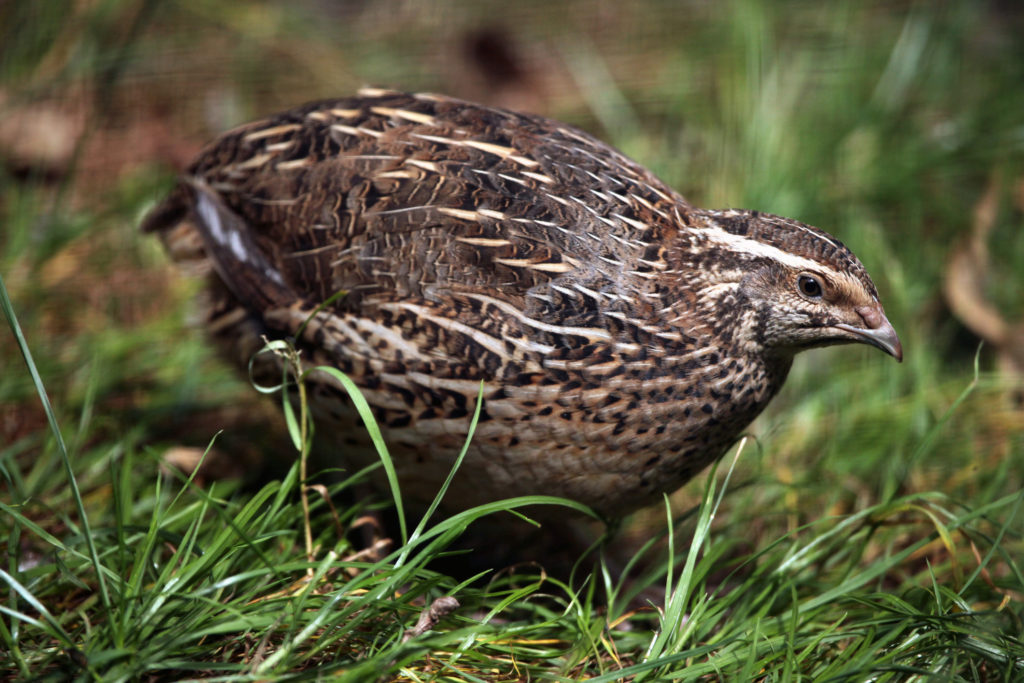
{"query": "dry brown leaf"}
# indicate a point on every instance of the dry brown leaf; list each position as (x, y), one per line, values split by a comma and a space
(964, 288)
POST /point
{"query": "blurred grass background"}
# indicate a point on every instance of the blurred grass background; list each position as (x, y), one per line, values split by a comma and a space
(896, 126)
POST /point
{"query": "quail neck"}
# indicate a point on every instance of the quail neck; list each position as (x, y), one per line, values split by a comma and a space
(622, 337)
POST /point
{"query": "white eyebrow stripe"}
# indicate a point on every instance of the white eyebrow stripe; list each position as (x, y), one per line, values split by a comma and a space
(782, 222)
(745, 245)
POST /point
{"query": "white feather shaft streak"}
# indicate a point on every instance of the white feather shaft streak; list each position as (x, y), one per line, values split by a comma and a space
(492, 344)
(414, 116)
(591, 333)
(270, 132)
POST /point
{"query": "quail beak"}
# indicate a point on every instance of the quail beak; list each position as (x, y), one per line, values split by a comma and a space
(877, 331)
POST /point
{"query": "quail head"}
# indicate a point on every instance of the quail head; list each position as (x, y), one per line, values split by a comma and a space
(623, 337)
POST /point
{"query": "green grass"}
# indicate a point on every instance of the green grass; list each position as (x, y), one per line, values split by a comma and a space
(871, 529)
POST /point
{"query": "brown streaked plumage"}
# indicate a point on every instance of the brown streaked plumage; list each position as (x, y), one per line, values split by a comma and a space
(624, 337)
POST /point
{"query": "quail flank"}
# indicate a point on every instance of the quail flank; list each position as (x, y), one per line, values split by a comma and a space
(624, 338)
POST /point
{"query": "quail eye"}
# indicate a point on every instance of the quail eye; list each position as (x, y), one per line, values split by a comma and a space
(810, 286)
